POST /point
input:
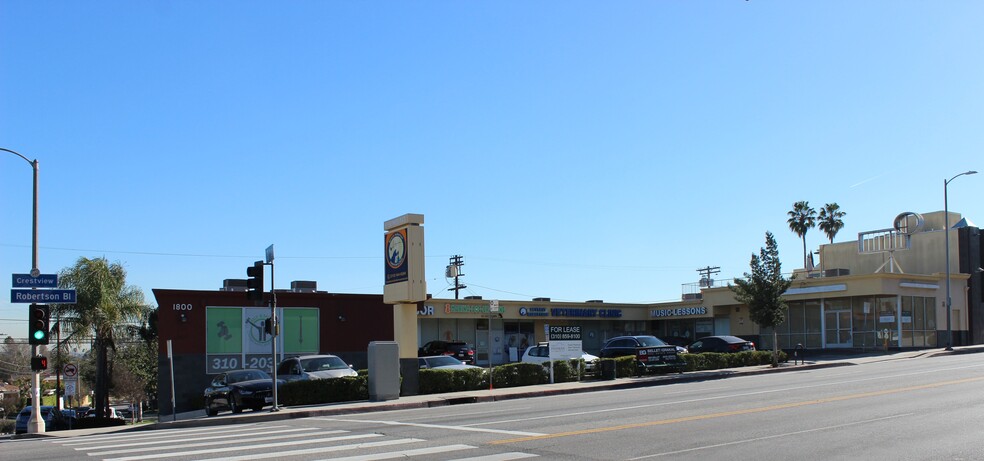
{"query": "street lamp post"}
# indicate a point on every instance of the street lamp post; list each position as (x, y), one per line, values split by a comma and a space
(35, 424)
(946, 221)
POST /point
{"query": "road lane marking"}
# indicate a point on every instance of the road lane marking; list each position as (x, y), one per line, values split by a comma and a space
(198, 442)
(784, 406)
(499, 457)
(720, 397)
(158, 433)
(434, 426)
(405, 453)
(264, 446)
(317, 450)
(759, 439)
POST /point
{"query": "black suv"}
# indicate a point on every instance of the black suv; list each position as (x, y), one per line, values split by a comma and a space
(649, 351)
(457, 349)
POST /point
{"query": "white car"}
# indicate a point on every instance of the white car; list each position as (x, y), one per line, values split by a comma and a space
(308, 367)
(541, 354)
(443, 362)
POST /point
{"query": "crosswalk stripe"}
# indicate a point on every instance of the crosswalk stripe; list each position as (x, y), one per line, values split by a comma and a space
(405, 453)
(157, 433)
(173, 454)
(499, 457)
(431, 426)
(197, 442)
(283, 454)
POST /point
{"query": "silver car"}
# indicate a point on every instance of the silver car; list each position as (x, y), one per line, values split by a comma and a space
(308, 367)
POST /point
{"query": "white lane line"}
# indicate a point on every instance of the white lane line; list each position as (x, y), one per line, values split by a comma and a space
(706, 399)
(759, 439)
(317, 450)
(405, 453)
(263, 446)
(198, 443)
(433, 426)
(499, 457)
(158, 433)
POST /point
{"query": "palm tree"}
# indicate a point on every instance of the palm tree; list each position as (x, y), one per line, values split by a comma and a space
(801, 219)
(106, 307)
(830, 220)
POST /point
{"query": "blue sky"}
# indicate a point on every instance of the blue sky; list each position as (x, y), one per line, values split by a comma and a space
(573, 150)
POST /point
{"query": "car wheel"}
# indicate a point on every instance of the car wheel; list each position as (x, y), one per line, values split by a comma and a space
(257, 407)
(234, 404)
(209, 410)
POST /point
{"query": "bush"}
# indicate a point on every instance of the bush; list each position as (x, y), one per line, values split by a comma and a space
(345, 389)
(440, 381)
(92, 421)
(519, 374)
(716, 360)
(6, 426)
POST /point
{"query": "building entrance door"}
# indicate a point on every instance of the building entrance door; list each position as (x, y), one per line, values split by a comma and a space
(837, 326)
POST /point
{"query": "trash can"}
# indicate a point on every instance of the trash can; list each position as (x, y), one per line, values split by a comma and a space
(607, 369)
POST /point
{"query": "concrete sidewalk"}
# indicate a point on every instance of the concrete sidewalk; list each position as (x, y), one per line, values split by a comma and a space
(812, 361)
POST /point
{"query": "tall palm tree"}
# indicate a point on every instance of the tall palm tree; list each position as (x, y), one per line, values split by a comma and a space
(830, 220)
(105, 308)
(801, 219)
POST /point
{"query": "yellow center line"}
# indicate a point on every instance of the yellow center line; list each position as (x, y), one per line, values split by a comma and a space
(736, 412)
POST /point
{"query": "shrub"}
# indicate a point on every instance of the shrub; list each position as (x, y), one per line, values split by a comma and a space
(440, 381)
(519, 374)
(345, 389)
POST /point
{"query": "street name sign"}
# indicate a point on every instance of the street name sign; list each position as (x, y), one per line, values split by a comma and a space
(41, 281)
(43, 296)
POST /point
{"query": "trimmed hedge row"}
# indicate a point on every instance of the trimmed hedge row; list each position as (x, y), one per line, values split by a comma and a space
(345, 389)
(353, 388)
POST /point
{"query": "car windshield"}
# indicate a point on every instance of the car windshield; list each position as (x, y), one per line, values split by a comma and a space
(246, 376)
(442, 361)
(323, 363)
(647, 341)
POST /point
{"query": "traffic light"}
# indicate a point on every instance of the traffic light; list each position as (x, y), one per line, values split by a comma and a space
(254, 285)
(268, 326)
(39, 363)
(39, 320)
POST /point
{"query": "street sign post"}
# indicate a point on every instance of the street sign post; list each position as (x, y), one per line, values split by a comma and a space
(70, 370)
(43, 296)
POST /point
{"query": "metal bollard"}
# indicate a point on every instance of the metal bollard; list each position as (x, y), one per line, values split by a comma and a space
(798, 354)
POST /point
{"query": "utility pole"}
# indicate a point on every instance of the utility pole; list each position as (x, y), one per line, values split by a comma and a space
(454, 270)
(705, 275)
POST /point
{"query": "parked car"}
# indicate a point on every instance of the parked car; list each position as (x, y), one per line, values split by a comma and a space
(111, 413)
(457, 349)
(53, 419)
(650, 352)
(541, 354)
(721, 344)
(628, 345)
(238, 389)
(443, 362)
(307, 367)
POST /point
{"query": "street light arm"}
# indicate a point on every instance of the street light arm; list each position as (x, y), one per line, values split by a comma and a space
(34, 163)
(957, 176)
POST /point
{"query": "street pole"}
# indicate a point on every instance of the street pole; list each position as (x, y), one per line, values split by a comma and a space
(35, 425)
(946, 224)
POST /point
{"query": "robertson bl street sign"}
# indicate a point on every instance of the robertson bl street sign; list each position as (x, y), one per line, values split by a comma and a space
(43, 296)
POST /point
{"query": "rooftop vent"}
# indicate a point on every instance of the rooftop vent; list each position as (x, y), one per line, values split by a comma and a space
(473, 297)
(594, 301)
(836, 272)
(692, 296)
(304, 286)
(233, 285)
(542, 300)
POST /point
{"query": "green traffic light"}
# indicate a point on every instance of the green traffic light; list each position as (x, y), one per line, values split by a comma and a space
(38, 334)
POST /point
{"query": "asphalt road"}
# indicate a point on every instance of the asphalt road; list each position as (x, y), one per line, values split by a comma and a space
(927, 408)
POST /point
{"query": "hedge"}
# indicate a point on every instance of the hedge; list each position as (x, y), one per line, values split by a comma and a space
(345, 389)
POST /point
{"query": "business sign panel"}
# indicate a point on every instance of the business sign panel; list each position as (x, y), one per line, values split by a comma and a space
(396, 257)
(235, 337)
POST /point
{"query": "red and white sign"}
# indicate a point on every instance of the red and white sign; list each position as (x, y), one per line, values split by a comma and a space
(70, 370)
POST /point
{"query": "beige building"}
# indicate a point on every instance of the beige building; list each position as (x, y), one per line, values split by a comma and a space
(885, 289)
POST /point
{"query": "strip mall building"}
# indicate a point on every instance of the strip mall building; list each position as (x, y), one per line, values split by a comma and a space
(886, 289)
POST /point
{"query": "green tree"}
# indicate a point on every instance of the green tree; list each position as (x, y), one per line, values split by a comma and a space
(762, 290)
(801, 219)
(830, 220)
(105, 310)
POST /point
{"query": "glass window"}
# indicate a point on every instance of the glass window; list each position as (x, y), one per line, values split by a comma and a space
(931, 315)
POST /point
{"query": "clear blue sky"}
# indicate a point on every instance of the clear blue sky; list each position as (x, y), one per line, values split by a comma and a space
(574, 150)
